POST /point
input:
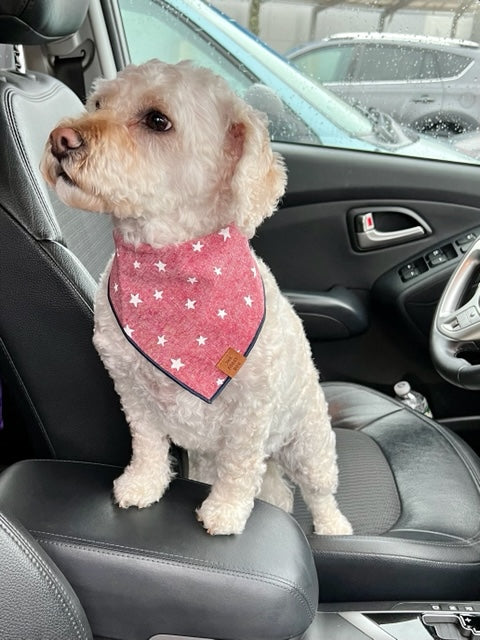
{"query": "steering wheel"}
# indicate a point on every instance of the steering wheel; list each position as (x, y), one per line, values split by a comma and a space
(456, 325)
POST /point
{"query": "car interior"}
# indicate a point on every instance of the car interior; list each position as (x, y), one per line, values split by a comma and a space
(73, 565)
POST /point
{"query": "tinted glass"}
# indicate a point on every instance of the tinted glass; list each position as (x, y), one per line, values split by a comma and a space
(330, 64)
(451, 64)
(380, 62)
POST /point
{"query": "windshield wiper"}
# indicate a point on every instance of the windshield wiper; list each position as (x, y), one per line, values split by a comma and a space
(384, 127)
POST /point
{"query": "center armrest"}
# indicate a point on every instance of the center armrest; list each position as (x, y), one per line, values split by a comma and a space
(154, 571)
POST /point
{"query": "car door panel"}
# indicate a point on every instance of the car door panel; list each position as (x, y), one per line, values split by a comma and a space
(308, 245)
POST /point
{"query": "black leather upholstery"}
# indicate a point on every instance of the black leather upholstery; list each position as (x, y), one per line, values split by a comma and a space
(156, 571)
(37, 601)
(432, 550)
(46, 317)
(34, 22)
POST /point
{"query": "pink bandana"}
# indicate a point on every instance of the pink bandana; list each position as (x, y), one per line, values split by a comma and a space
(194, 309)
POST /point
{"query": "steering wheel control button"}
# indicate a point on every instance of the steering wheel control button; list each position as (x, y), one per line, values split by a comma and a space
(468, 317)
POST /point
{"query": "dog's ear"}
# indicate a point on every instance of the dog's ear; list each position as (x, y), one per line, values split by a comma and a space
(259, 175)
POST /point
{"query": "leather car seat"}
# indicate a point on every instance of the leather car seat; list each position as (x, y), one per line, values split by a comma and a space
(37, 601)
(410, 487)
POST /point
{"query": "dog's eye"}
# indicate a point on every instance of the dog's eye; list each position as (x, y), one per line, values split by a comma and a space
(157, 121)
(97, 104)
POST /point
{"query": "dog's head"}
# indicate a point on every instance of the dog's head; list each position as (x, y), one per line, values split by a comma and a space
(170, 146)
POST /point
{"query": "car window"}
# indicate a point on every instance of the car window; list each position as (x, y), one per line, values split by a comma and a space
(389, 63)
(331, 64)
(451, 64)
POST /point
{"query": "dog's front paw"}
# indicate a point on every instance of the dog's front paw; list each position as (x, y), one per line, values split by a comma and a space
(221, 518)
(336, 525)
(132, 490)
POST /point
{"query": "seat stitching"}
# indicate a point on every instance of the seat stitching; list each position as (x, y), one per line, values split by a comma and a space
(163, 554)
(438, 533)
(470, 543)
(275, 581)
(32, 407)
(49, 577)
(391, 556)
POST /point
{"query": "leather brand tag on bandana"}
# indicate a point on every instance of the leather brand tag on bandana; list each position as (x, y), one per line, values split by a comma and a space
(231, 362)
(194, 310)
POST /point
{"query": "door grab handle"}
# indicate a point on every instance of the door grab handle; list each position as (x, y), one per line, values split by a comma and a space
(376, 238)
(367, 236)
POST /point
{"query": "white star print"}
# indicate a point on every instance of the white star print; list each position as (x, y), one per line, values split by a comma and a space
(128, 330)
(160, 265)
(221, 313)
(198, 246)
(254, 271)
(225, 233)
(190, 304)
(158, 295)
(177, 364)
(217, 271)
(135, 299)
(115, 286)
(248, 301)
(201, 341)
(161, 340)
(192, 280)
(136, 264)
(220, 381)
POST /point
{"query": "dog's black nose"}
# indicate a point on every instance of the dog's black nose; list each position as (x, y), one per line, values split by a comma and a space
(64, 140)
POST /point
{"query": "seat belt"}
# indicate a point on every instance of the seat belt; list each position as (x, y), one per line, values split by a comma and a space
(70, 68)
(70, 72)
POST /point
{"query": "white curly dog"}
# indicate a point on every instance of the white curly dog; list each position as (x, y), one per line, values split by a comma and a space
(185, 168)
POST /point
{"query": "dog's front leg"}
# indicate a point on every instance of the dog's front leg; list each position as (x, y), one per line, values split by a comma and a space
(240, 468)
(146, 478)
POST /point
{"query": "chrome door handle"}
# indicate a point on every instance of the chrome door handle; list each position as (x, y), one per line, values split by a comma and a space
(374, 238)
(367, 236)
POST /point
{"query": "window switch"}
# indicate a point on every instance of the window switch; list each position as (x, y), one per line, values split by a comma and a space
(437, 256)
(466, 239)
(409, 271)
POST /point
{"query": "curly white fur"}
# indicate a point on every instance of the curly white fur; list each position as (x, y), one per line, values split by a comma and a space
(214, 165)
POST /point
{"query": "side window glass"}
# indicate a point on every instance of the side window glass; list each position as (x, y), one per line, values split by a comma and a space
(386, 63)
(452, 65)
(377, 63)
(428, 69)
(330, 64)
